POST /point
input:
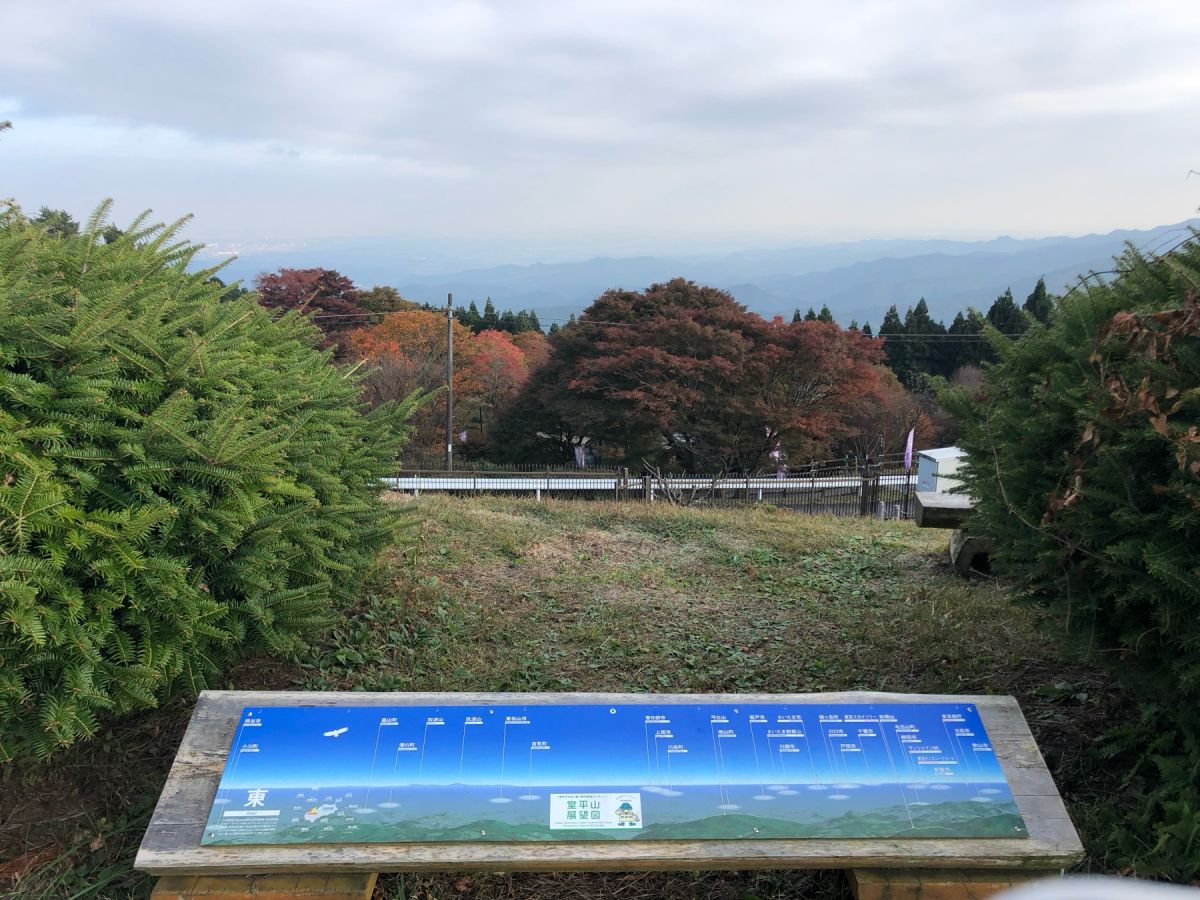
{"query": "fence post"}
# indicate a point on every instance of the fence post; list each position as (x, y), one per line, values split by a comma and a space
(868, 490)
(647, 489)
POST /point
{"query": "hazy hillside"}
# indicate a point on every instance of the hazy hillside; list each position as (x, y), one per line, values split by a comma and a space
(858, 280)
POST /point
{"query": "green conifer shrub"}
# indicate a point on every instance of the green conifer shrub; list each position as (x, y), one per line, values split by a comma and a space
(1084, 462)
(182, 478)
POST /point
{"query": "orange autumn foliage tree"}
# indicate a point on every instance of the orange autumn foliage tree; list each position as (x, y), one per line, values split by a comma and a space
(494, 369)
(881, 425)
(407, 352)
(416, 334)
(535, 346)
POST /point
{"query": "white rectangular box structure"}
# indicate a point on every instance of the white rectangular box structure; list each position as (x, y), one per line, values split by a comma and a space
(937, 468)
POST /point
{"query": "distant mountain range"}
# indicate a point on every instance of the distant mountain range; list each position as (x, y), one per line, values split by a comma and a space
(858, 280)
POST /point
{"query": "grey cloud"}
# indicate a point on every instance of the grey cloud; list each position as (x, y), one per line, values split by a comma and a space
(534, 115)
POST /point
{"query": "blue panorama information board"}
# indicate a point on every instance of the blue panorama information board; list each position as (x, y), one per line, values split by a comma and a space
(372, 774)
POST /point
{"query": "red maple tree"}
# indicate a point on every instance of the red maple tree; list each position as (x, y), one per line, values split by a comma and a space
(683, 374)
(327, 297)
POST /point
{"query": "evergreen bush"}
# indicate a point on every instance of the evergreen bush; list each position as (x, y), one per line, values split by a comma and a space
(1083, 456)
(182, 478)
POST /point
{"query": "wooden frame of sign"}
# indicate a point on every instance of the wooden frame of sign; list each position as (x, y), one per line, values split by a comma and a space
(894, 868)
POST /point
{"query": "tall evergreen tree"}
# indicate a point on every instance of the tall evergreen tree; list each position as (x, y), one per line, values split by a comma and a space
(490, 319)
(232, 292)
(1038, 304)
(811, 315)
(55, 222)
(1006, 317)
(898, 355)
(925, 349)
(968, 347)
(825, 315)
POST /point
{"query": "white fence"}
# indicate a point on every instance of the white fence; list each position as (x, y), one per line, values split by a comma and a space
(886, 496)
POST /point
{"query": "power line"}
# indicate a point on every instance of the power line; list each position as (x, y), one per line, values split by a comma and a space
(586, 321)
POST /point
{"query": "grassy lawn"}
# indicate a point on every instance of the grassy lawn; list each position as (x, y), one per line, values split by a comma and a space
(504, 594)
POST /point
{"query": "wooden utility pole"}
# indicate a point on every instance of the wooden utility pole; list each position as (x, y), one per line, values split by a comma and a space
(449, 382)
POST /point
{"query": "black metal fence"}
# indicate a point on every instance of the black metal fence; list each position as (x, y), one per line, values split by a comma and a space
(872, 488)
(434, 464)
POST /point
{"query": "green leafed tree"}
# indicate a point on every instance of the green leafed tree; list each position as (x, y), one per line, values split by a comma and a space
(55, 222)
(966, 346)
(230, 292)
(899, 355)
(926, 349)
(1038, 304)
(1006, 317)
(1083, 457)
(183, 478)
(490, 318)
(379, 301)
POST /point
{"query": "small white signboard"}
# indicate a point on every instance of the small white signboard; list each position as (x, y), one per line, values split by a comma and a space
(588, 811)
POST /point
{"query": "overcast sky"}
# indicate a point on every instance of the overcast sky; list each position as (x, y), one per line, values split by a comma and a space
(620, 125)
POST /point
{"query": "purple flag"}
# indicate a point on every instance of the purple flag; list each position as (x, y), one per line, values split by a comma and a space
(908, 450)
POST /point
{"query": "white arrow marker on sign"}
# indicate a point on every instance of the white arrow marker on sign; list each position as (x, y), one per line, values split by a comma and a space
(508, 720)
(462, 749)
(429, 721)
(529, 794)
(383, 722)
(762, 784)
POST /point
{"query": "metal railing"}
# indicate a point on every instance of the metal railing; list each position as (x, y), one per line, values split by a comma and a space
(867, 488)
